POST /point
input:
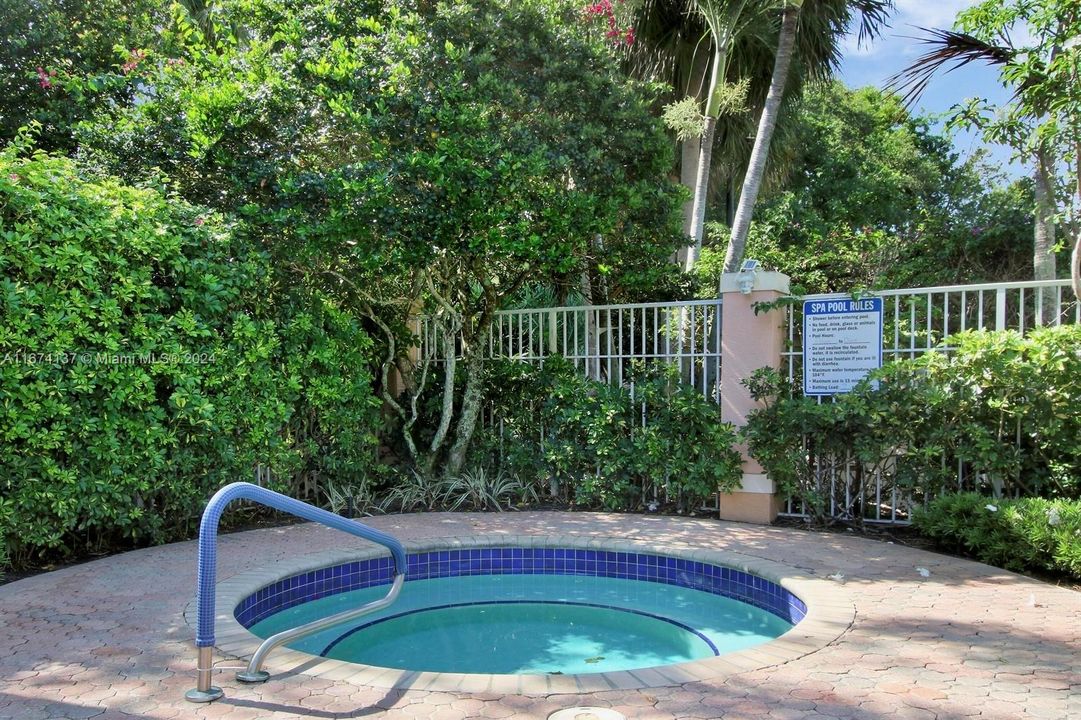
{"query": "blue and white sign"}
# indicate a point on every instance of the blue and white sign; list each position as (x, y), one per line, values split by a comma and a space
(842, 342)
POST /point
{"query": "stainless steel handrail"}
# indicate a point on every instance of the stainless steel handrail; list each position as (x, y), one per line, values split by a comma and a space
(255, 673)
(204, 691)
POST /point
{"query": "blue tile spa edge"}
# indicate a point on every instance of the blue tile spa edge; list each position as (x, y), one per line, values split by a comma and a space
(716, 579)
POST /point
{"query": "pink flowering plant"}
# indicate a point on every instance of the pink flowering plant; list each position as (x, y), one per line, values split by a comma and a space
(614, 17)
(45, 79)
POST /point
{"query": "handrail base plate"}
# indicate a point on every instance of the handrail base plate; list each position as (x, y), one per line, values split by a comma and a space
(204, 696)
(256, 676)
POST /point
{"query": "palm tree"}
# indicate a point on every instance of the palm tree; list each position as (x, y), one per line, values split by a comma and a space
(822, 19)
(955, 49)
(726, 20)
(752, 181)
(684, 42)
(674, 46)
(202, 14)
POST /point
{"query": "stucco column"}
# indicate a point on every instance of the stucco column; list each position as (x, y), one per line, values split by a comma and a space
(749, 342)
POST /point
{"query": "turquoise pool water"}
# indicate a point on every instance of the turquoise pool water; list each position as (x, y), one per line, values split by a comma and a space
(531, 624)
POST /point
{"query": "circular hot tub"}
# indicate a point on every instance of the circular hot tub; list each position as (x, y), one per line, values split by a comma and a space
(529, 611)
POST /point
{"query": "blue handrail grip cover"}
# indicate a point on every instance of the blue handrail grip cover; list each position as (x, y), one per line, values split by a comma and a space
(208, 542)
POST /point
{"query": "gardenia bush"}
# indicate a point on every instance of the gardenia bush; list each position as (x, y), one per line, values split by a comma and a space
(149, 355)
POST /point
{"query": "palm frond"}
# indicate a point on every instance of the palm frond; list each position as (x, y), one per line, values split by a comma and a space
(669, 35)
(824, 24)
(948, 48)
(873, 15)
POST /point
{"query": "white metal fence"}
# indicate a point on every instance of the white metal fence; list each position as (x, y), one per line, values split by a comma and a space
(608, 343)
(916, 321)
(603, 341)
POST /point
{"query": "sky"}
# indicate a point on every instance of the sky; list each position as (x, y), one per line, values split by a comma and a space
(873, 63)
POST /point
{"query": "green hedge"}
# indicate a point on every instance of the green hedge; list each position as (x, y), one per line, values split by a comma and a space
(1024, 534)
(148, 356)
(586, 440)
(1002, 406)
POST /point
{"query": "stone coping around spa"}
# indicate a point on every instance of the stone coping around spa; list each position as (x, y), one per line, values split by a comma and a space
(830, 613)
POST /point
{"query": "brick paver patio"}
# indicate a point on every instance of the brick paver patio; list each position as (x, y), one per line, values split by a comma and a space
(109, 639)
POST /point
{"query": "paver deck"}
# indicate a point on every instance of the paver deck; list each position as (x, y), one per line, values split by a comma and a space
(109, 639)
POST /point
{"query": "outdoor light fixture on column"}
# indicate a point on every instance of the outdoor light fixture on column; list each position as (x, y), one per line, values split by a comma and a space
(746, 276)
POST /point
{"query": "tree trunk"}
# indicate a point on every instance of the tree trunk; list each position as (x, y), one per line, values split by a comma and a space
(449, 337)
(1043, 249)
(730, 200)
(472, 398)
(705, 155)
(689, 154)
(701, 190)
(752, 182)
(1075, 267)
(688, 176)
(602, 280)
(1075, 257)
(1043, 246)
(593, 371)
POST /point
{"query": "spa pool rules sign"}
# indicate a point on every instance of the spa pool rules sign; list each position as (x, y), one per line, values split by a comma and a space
(842, 342)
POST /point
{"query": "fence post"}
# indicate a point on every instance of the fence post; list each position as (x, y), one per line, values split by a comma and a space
(749, 342)
(553, 343)
(1000, 309)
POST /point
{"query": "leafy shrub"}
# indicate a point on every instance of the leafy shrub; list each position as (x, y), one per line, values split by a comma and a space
(600, 445)
(1023, 534)
(414, 491)
(1013, 402)
(351, 498)
(1000, 406)
(148, 357)
(474, 489)
(886, 428)
(478, 489)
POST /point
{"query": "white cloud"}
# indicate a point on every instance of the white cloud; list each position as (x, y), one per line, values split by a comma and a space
(927, 13)
(907, 17)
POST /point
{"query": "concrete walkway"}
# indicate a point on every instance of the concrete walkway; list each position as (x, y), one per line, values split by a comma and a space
(108, 639)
